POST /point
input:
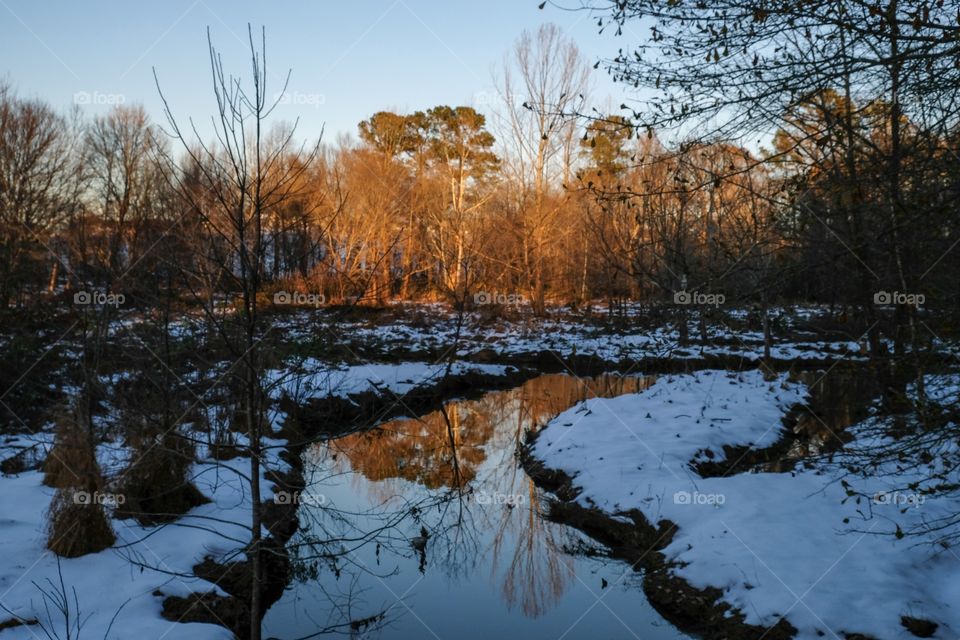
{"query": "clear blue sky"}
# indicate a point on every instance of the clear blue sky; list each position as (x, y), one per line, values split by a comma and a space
(348, 58)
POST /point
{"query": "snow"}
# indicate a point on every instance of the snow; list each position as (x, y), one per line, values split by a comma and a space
(774, 543)
(313, 378)
(111, 582)
(432, 328)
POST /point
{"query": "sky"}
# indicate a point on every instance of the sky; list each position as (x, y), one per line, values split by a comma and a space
(348, 59)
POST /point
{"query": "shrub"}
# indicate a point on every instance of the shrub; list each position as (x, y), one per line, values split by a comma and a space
(77, 522)
(72, 461)
(155, 486)
(77, 526)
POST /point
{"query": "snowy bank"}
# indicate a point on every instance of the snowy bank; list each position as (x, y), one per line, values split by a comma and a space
(796, 544)
(315, 379)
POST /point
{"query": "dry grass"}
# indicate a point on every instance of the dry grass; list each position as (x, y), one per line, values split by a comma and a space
(156, 486)
(76, 529)
(72, 460)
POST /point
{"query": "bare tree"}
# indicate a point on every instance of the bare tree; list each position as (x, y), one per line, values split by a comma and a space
(122, 176)
(246, 176)
(38, 190)
(544, 79)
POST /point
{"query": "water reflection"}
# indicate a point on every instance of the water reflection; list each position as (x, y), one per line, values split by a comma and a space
(425, 506)
(838, 399)
(423, 450)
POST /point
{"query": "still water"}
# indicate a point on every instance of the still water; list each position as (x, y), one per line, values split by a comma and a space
(430, 528)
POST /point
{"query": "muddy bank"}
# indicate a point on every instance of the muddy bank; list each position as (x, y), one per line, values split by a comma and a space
(234, 578)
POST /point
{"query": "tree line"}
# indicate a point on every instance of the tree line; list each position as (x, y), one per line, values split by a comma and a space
(528, 201)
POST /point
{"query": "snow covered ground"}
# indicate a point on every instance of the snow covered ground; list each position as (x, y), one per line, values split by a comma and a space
(312, 378)
(803, 545)
(432, 328)
(115, 587)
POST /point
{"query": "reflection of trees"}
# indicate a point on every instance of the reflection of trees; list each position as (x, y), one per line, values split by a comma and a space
(537, 572)
(420, 450)
(407, 470)
(835, 403)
